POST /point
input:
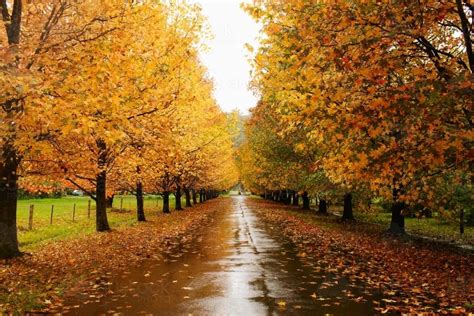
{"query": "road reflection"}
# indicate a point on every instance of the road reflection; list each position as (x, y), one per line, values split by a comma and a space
(238, 265)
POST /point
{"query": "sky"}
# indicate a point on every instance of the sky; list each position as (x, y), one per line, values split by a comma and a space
(227, 59)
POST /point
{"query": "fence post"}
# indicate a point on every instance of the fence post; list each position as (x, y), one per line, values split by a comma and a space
(51, 218)
(30, 220)
(461, 222)
(121, 204)
(89, 209)
(74, 213)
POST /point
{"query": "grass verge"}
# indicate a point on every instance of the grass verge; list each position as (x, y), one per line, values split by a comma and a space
(64, 227)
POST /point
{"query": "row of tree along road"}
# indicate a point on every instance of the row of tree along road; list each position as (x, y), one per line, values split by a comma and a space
(107, 96)
(364, 100)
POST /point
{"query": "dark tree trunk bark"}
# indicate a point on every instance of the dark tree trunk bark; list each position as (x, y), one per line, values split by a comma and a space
(14, 26)
(8, 203)
(110, 201)
(9, 161)
(201, 196)
(288, 196)
(295, 199)
(194, 196)
(187, 194)
(177, 202)
(347, 213)
(323, 207)
(397, 224)
(166, 202)
(305, 197)
(101, 222)
(140, 206)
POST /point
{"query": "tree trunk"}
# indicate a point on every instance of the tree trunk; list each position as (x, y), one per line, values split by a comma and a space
(110, 201)
(295, 199)
(177, 202)
(9, 161)
(101, 221)
(8, 203)
(140, 207)
(13, 28)
(288, 196)
(306, 205)
(102, 224)
(194, 196)
(166, 202)
(323, 207)
(397, 224)
(347, 214)
(187, 195)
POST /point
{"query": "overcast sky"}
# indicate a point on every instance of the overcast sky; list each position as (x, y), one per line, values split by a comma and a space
(227, 58)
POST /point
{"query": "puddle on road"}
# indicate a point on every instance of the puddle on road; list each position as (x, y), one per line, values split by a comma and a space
(237, 265)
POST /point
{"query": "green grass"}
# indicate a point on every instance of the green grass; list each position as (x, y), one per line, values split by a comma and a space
(428, 227)
(433, 228)
(63, 226)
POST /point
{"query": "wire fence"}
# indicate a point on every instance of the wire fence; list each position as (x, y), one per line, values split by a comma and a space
(33, 214)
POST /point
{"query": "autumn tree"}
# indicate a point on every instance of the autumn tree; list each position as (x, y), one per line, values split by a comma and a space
(385, 91)
(34, 49)
(93, 94)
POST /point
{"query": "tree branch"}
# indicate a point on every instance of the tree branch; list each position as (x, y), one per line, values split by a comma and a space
(466, 33)
(82, 188)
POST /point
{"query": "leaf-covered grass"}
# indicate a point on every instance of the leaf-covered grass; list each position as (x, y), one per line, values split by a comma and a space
(64, 227)
(433, 228)
(413, 276)
(67, 267)
(427, 227)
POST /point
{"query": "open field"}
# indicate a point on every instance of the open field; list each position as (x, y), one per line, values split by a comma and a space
(64, 227)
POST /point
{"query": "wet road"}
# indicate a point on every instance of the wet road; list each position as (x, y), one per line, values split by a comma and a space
(239, 265)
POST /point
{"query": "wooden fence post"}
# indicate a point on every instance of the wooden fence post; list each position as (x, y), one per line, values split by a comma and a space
(89, 209)
(74, 213)
(461, 222)
(121, 204)
(30, 220)
(51, 218)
